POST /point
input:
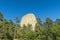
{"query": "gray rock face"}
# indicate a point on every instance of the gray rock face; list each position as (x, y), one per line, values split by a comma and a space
(29, 19)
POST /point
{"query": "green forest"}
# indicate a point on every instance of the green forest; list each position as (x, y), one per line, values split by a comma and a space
(47, 30)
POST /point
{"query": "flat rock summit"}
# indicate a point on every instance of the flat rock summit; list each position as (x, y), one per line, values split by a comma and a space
(29, 19)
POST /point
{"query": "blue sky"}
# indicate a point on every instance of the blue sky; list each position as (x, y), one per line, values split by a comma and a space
(41, 8)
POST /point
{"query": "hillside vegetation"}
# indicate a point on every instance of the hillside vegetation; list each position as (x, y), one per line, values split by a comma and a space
(48, 30)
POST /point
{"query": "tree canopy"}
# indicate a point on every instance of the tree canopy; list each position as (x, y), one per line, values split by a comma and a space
(48, 30)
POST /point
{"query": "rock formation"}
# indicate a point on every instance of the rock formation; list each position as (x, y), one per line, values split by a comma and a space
(29, 19)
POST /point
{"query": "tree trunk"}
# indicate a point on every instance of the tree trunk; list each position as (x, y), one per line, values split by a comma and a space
(15, 35)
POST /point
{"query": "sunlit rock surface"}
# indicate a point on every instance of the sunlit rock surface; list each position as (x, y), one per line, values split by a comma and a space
(29, 19)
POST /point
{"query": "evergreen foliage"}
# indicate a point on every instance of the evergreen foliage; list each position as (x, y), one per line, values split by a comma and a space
(48, 30)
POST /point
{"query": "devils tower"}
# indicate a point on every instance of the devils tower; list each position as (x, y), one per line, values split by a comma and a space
(29, 18)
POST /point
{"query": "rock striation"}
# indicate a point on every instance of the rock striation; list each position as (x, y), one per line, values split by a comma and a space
(29, 19)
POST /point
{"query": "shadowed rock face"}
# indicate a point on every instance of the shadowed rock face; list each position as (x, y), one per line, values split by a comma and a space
(29, 19)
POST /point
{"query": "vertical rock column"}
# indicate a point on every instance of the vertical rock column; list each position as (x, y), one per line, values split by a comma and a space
(29, 19)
